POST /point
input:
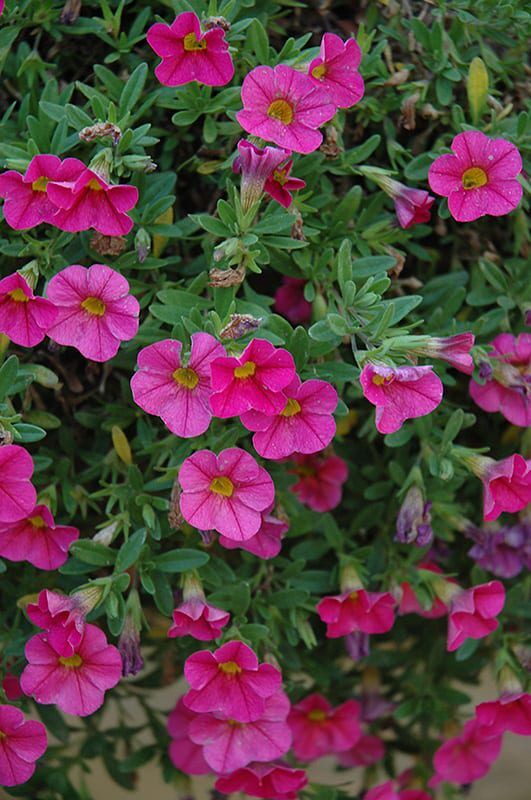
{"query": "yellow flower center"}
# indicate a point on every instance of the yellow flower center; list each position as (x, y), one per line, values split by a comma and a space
(230, 668)
(94, 185)
(94, 306)
(40, 184)
(317, 715)
(2, 735)
(353, 596)
(279, 175)
(319, 72)
(473, 178)
(186, 377)
(281, 110)
(19, 296)
(379, 380)
(192, 43)
(37, 521)
(247, 370)
(223, 486)
(72, 662)
(291, 408)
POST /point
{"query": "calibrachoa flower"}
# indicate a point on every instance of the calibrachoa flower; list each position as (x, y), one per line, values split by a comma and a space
(472, 613)
(508, 389)
(63, 617)
(226, 493)
(367, 750)
(387, 791)
(276, 780)
(336, 70)
(511, 712)
(17, 494)
(357, 610)
(284, 106)
(177, 393)
(229, 745)
(129, 647)
(254, 380)
(290, 302)
(503, 551)
(188, 54)
(479, 178)
(358, 645)
(256, 165)
(185, 754)
(409, 603)
(21, 744)
(400, 393)
(11, 687)
(95, 310)
(413, 523)
(320, 480)
(467, 757)
(230, 681)
(506, 484)
(24, 318)
(305, 424)
(280, 184)
(318, 729)
(76, 683)
(455, 350)
(266, 544)
(197, 618)
(37, 539)
(412, 206)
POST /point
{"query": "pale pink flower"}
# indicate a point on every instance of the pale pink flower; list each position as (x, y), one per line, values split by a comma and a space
(367, 750)
(256, 165)
(17, 494)
(359, 610)
(467, 757)
(506, 484)
(37, 539)
(254, 380)
(318, 729)
(320, 480)
(281, 183)
(185, 754)
(508, 390)
(290, 302)
(304, 425)
(284, 106)
(95, 310)
(336, 70)
(76, 683)
(197, 618)
(472, 613)
(21, 743)
(479, 178)
(230, 681)
(24, 317)
(266, 544)
(511, 712)
(226, 493)
(188, 54)
(276, 780)
(62, 617)
(400, 393)
(178, 393)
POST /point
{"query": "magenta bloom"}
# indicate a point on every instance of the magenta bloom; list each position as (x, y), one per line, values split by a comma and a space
(185, 754)
(76, 683)
(290, 302)
(280, 184)
(318, 729)
(276, 780)
(506, 485)
(188, 54)
(400, 394)
(321, 479)
(479, 178)
(24, 318)
(266, 544)
(511, 712)
(229, 745)
(368, 612)
(387, 791)
(409, 603)
(467, 757)
(17, 494)
(27, 202)
(11, 686)
(455, 350)
(367, 750)
(225, 493)
(88, 201)
(198, 619)
(508, 390)
(178, 394)
(230, 681)
(284, 106)
(412, 206)
(256, 165)
(21, 744)
(63, 619)
(37, 539)
(305, 424)
(336, 70)
(473, 613)
(254, 380)
(95, 310)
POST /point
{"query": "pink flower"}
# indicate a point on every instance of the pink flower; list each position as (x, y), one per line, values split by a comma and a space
(336, 70)
(89, 201)
(190, 55)
(290, 302)
(508, 390)
(199, 619)
(76, 683)
(479, 178)
(318, 729)
(281, 183)
(321, 479)
(367, 750)
(412, 206)
(11, 687)
(254, 380)
(473, 613)
(24, 318)
(185, 754)
(304, 425)
(387, 791)
(266, 544)
(230, 681)
(21, 744)
(225, 493)
(178, 394)
(467, 757)
(369, 612)
(27, 202)
(276, 780)
(95, 310)
(256, 165)
(62, 617)
(284, 106)
(399, 394)
(2, 4)
(229, 745)
(511, 712)
(453, 349)
(17, 494)
(37, 540)
(409, 603)
(506, 484)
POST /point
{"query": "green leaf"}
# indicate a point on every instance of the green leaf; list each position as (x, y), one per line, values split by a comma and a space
(130, 550)
(93, 553)
(371, 265)
(180, 560)
(258, 40)
(8, 373)
(477, 87)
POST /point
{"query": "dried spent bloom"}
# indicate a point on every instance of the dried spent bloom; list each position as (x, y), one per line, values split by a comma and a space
(37, 540)
(101, 130)
(108, 245)
(320, 480)
(239, 325)
(318, 729)
(21, 744)
(357, 645)
(290, 301)
(336, 70)
(17, 494)
(400, 393)
(274, 779)
(24, 317)
(413, 523)
(507, 387)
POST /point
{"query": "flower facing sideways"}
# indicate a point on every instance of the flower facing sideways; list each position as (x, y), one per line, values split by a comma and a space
(24, 318)
(256, 165)
(274, 779)
(336, 70)
(472, 613)
(194, 616)
(358, 610)
(506, 484)
(320, 480)
(63, 617)
(17, 494)
(511, 712)
(37, 539)
(266, 544)
(508, 390)
(21, 744)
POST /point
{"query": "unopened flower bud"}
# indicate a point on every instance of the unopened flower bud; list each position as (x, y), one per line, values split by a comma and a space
(129, 648)
(357, 645)
(413, 523)
(101, 164)
(107, 535)
(70, 12)
(142, 245)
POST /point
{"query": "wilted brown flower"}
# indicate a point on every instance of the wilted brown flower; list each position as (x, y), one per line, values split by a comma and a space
(70, 12)
(108, 245)
(297, 231)
(175, 518)
(227, 277)
(216, 22)
(330, 147)
(239, 325)
(99, 130)
(408, 108)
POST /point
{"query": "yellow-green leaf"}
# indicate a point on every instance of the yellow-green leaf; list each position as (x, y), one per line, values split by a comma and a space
(121, 445)
(477, 87)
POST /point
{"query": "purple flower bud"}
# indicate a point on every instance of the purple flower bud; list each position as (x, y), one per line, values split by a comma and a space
(357, 645)
(129, 648)
(485, 371)
(413, 523)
